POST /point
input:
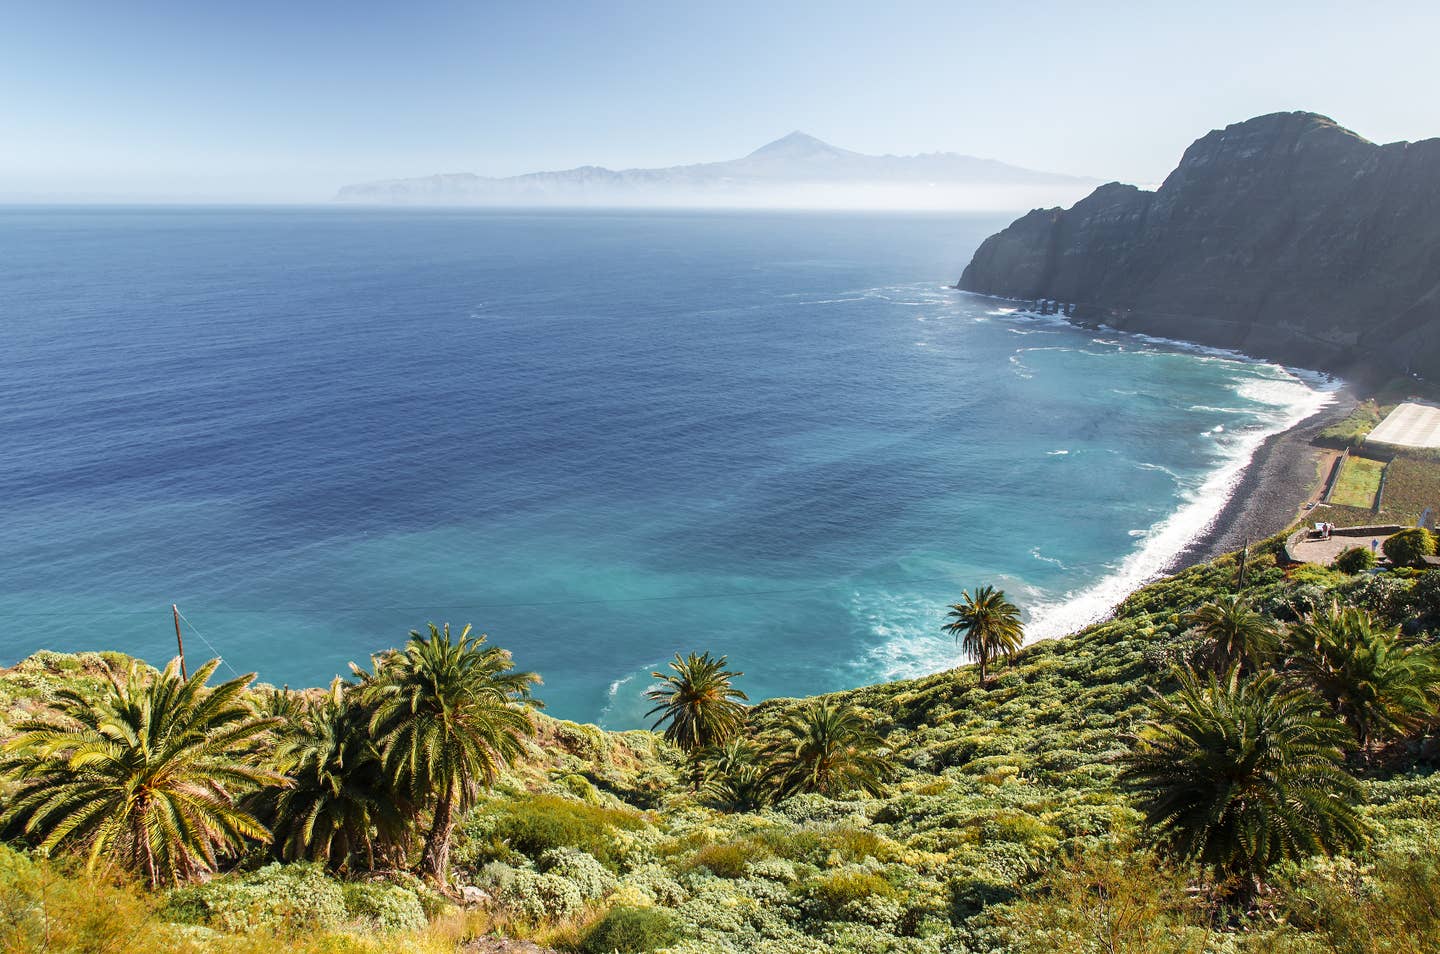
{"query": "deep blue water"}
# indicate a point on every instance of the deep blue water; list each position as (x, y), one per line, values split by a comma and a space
(601, 438)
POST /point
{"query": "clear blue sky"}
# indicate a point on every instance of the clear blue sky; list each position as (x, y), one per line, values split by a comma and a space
(288, 100)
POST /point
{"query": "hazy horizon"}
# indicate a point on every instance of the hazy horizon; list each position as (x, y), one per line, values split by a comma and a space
(172, 102)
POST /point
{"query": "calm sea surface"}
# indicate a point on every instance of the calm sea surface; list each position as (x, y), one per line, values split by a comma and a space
(601, 438)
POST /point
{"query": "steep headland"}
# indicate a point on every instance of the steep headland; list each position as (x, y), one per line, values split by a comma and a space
(1286, 236)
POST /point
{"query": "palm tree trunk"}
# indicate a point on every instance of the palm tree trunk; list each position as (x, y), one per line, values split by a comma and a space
(984, 680)
(147, 854)
(435, 860)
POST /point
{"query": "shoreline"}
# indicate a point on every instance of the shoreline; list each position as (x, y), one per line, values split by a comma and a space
(1283, 475)
(1262, 496)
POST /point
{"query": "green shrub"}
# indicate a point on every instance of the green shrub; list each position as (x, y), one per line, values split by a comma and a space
(1353, 429)
(654, 884)
(384, 907)
(579, 786)
(837, 893)
(1395, 906)
(857, 844)
(632, 930)
(1407, 547)
(589, 876)
(586, 742)
(540, 823)
(43, 910)
(529, 896)
(1354, 560)
(1108, 900)
(730, 859)
(773, 869)
(284, 899)
(1419, 606)
(1314, 574)
(1384, 594)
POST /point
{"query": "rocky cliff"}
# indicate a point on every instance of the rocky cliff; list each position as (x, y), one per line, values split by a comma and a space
(1286, 236)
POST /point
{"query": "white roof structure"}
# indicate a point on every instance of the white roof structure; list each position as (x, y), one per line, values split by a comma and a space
(1409, 425)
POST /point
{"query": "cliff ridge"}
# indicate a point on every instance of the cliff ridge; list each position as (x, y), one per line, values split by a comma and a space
(1286, 236)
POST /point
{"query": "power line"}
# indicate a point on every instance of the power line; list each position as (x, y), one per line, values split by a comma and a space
(208, 645)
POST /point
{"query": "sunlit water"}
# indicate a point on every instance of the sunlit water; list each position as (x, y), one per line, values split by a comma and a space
(601, 438)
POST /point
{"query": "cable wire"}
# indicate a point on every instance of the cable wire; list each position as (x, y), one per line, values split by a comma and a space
(208, 645)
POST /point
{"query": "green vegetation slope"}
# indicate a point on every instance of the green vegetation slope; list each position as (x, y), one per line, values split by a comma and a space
(974, 819)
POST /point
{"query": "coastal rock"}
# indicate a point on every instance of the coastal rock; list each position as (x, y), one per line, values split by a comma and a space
(1286, 236)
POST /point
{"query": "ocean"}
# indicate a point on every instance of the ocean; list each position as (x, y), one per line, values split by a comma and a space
(601, 438)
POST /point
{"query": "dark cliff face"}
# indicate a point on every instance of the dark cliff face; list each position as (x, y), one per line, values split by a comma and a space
(1286, 236)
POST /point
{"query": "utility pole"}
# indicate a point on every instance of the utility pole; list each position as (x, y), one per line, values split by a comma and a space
(179, 642)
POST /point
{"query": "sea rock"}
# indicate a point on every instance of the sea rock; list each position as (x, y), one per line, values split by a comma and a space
(1286, 236)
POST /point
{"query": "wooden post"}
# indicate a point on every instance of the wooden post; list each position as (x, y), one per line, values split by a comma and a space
(179, 642)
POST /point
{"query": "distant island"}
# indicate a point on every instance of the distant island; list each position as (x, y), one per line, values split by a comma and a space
(1286, 236)
(796, 171)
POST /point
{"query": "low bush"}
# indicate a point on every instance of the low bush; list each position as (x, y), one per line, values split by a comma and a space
(590, 877)
(1409, 547)
(49, 906)
(631, 931)
(1353, 429)
(534, 825)
(731, 859)
(1354, 560)
(836, 893)
(652, 884)
(282, 899)
(384, 907)
(531, 897)
(857, 844)
(42, 909)
(1392, 907)
(1108, 901)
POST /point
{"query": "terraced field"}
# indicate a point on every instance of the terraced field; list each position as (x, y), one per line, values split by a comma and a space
(1411, 488)
(1358, 483)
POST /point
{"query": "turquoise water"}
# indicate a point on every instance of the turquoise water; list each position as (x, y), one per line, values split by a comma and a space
(601, 438)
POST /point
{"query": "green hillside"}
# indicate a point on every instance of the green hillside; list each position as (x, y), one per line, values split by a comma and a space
(1004, 818)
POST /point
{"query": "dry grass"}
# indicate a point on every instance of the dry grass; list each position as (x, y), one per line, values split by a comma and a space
(1411, 487)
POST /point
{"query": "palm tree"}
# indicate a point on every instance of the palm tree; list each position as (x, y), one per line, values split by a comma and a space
(1235, 634)
(735, 776)
(341, 800)
(146, 774)
(827, 748)
(1379, 682)
(697, 703)
(1241, 774)
(986, 626)
(448, 715)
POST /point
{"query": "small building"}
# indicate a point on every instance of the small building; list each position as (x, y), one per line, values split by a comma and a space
(1409, 425)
